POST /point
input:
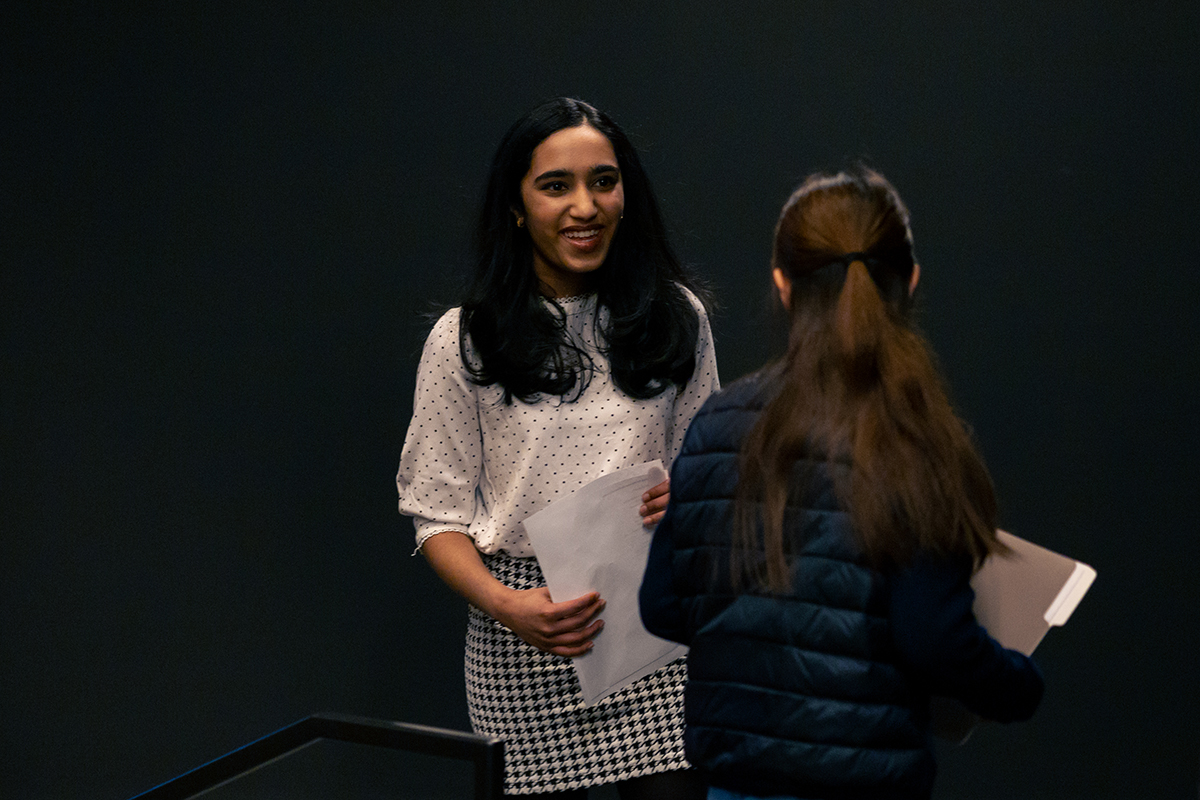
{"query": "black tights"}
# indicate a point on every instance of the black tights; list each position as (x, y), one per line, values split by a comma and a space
(677, 785)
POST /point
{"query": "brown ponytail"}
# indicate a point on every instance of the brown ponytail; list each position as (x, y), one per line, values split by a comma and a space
(859, 320)
(859, 389)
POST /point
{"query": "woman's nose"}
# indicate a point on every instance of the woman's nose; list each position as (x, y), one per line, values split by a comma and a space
(583, 205)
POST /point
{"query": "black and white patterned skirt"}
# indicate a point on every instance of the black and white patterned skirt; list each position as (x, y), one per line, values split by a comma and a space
(531, 700)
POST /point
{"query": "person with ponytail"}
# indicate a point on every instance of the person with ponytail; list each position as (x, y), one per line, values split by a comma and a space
(581, 347)
(827, 513)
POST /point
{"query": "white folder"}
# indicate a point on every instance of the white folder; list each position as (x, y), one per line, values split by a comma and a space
(1019, 596)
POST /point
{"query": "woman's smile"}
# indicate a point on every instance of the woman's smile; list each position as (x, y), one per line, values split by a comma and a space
(586, 239)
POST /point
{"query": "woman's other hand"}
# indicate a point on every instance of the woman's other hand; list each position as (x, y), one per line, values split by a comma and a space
(564, 629)
(654, 504)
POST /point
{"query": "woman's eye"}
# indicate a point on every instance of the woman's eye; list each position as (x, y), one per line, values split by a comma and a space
(554, 186)
(606, 181)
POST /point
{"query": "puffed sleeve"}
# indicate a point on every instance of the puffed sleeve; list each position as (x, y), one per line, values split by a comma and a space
(704, 382)
(440, 465)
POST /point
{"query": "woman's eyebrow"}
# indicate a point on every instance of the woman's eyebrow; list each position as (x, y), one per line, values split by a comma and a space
(564, 173)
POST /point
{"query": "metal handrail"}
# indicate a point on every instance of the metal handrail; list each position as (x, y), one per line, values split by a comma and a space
(485, 753)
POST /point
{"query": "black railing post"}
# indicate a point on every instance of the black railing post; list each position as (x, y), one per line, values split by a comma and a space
(486, 754)
(489, 773)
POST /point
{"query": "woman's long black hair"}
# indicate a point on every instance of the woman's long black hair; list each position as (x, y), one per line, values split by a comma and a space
(520, 341)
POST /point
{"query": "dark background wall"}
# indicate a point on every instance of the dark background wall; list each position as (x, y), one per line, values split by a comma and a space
(221, 230)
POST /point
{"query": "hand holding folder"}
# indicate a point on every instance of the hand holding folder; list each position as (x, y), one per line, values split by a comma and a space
(1019, 596)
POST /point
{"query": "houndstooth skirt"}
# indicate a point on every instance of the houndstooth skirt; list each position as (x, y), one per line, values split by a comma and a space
(531, 700)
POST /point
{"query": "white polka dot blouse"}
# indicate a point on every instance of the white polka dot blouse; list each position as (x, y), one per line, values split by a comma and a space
(473, 464)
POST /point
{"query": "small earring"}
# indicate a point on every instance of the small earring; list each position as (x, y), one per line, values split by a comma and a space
(520, 222)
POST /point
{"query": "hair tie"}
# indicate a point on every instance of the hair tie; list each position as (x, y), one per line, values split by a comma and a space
(837, 267)
(892, 287)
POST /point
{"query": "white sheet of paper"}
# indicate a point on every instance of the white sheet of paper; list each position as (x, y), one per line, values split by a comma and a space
(593, 540)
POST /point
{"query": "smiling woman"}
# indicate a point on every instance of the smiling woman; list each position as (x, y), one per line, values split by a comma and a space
(581, 347)
(574, 200)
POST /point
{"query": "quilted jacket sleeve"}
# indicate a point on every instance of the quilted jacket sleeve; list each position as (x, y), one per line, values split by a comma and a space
(938, 638)
(657, 601)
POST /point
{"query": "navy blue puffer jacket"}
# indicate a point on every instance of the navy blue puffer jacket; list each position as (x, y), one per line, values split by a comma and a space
(822, 692)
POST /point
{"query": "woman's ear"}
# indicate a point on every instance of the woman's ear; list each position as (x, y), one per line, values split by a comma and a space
(520, 218)
(784, 285)
(912, 282)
